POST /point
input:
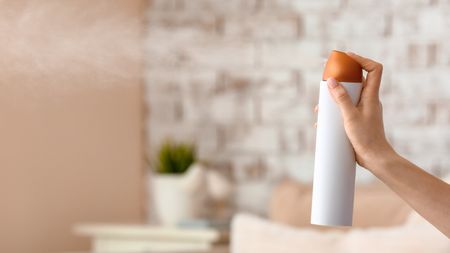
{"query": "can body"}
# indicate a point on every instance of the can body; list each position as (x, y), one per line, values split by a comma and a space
(334, 165)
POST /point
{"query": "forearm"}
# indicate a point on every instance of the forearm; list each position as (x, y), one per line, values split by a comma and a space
(428, 195)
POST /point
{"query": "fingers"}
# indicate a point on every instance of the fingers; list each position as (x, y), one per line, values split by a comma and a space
(342, 98)
(374, 73)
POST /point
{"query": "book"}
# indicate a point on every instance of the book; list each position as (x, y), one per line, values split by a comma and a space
(143, 238)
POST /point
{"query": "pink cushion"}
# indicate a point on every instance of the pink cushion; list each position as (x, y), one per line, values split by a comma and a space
(252, 234)
(375, 205)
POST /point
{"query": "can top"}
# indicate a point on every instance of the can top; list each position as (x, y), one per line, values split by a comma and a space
(343, 68)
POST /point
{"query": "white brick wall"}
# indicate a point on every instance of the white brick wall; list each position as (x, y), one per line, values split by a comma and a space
(240, 79)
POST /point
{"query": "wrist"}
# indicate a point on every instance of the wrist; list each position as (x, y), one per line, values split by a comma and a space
(382, 160)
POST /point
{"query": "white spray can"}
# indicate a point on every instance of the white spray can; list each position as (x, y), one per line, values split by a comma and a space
(334, 165)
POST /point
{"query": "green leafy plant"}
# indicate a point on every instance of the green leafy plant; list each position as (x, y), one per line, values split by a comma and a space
(175, 158)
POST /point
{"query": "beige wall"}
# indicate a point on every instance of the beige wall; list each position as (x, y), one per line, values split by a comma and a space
(70, 120)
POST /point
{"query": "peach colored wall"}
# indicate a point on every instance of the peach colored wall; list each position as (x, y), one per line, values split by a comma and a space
(70, 120)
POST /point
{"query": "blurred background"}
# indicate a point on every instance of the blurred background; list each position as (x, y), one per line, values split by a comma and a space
(240, 78)
(183, 113)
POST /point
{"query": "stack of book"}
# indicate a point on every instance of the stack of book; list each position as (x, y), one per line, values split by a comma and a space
(188, 237)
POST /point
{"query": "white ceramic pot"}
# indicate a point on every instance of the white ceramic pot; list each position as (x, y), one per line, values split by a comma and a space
(171, 202)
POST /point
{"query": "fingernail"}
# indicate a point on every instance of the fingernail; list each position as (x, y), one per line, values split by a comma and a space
(350, 53)
(332, 82)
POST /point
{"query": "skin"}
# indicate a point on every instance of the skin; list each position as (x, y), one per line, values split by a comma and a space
(363, 123)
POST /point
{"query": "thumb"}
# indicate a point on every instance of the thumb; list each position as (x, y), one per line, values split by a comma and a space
(342, 98)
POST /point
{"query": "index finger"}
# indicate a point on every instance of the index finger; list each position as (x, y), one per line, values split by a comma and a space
(374, 73)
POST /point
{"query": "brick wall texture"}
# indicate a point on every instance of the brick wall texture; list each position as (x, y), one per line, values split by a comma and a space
(240, 79)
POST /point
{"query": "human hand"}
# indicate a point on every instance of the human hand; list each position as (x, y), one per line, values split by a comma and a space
(363, 123)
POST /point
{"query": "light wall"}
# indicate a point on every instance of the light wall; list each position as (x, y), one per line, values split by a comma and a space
(240, 79)
(70, 120)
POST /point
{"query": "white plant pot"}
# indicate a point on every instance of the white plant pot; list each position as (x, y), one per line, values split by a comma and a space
(171, 202)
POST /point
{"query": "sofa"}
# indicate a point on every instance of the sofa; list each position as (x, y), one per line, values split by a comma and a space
(382, 223)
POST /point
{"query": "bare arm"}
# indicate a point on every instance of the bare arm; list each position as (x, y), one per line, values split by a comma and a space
(428, 195)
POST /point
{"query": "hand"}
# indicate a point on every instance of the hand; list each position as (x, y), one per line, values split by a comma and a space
(364, 123)
(364, 127)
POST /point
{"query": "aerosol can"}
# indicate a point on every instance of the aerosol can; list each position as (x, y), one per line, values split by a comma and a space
(335, 164)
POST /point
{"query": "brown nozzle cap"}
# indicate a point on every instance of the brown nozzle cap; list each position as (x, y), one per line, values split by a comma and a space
(343, 68)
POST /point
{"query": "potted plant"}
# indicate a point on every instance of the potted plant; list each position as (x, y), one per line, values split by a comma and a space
(171, 202)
